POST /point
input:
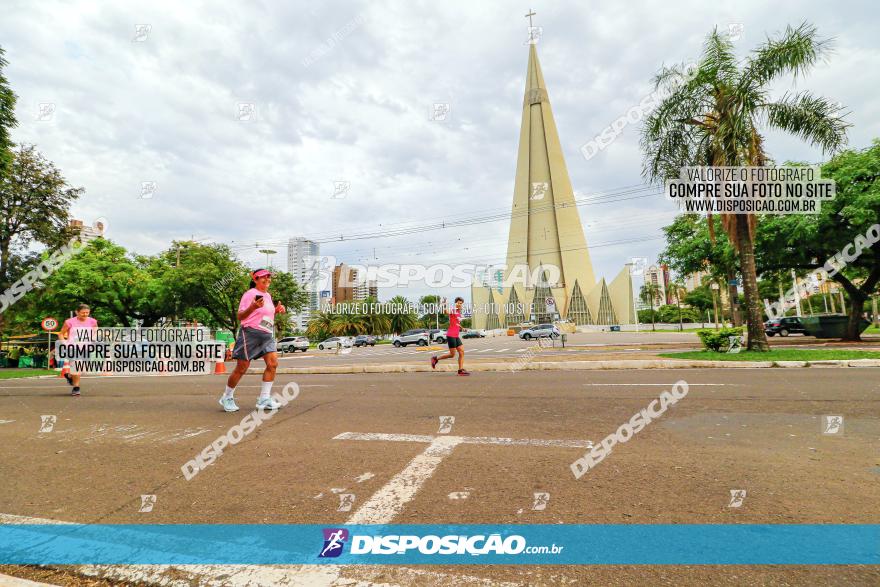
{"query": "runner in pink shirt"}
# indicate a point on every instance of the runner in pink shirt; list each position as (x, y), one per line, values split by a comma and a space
(453, 338)
(256, 338)
(71, 333)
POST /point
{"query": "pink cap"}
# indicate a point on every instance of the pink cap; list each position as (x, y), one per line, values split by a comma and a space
(261, 273)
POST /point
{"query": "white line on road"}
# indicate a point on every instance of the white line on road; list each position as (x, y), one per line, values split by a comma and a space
(464, 439)
(386, 503)
(500, 350)
(661, 384)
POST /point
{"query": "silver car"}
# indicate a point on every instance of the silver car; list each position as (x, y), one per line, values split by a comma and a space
(334, 342)
(539, 331)
(291, 344)
(417, 336)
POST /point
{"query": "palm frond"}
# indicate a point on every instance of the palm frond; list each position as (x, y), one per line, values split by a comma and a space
(794, 52)
(812, 118)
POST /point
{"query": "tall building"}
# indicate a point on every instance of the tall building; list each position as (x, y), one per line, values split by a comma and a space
(547, 236)
(659, 276)
(87, 233)
(345, 285)
(302, 260)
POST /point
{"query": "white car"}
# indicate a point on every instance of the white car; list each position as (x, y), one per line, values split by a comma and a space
(539, 331)
(291, 344)
(334, 342)
(417, 336)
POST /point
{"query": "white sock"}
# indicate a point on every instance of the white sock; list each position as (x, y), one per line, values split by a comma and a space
(265, 389)
(230, 391)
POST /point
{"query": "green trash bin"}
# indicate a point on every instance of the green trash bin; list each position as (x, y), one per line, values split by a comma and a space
(829, 326)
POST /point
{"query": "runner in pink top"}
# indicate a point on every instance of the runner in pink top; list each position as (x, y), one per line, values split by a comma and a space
(453, 338)
(71, 333)
(256, 339)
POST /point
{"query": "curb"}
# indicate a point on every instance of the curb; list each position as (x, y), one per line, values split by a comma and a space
(574, 366)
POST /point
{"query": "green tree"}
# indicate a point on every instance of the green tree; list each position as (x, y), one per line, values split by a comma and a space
(807, 242)
(119, 287)
(210, 278)
(34, 203)
(320, 325)
(401, 320)
(7, 118)
(700, 298)
(376, 323)
(715, 116)
(678, 290)
(648, 293)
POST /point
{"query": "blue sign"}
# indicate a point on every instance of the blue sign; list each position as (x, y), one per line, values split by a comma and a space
(551, 544)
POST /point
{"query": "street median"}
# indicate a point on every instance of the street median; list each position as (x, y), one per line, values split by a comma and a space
(572, 366)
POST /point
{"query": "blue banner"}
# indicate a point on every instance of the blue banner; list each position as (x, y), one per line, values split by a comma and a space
(624, 544)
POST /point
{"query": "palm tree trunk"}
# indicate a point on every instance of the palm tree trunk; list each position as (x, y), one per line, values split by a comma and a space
(733, 298)
(746, 249)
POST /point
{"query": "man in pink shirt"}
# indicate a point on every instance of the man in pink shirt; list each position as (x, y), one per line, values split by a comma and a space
(256, 338)
(71, 333)
(453, 338)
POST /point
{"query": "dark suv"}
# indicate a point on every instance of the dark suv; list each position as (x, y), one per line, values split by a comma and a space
(784, 326)
(364, 340)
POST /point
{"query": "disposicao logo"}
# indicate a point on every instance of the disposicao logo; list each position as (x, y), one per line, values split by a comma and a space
(334, 540)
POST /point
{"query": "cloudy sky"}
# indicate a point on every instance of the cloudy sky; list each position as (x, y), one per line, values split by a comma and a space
(342, 91)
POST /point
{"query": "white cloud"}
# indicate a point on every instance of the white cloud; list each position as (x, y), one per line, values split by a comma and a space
(165, 109)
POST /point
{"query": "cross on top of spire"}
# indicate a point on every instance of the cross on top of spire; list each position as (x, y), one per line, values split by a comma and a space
(530, 15)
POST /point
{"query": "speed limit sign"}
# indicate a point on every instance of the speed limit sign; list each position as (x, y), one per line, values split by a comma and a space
(49, 324)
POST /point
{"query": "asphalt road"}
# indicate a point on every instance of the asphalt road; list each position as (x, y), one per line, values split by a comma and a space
(753, 430)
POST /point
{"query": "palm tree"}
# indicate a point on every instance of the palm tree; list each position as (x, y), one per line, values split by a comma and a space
(320, 326)
(679, 291)
(346, 324)
(433, 319)
(649, 292)
(401, 320)
(713, 118)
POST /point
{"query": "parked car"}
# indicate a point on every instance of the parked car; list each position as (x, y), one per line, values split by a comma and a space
(334, 342)
(437, 335)
(784, 326)
(364, 340)
(417, 336)
(474, 334)
(539, 331)
(291, 344)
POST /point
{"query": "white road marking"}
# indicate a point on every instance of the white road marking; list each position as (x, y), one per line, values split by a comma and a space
(6, 421)
(464, 439)
(661, 384)
(364, 477)
(459, 495)
(500, 350)
(386, 503)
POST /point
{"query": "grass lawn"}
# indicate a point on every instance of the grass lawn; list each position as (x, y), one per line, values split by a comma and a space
(19, 373)
(871, 330)
(776, 355)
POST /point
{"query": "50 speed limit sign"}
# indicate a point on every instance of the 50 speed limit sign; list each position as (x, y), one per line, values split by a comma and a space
(49, 324)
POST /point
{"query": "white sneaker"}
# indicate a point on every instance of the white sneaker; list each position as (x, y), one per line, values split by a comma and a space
(228, 404)
(270, 403)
